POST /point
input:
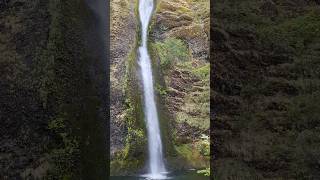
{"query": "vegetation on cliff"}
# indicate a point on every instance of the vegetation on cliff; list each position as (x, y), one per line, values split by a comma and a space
(264, 91)
(182, 53)
(179, 43)
(53, 106)
(127, 119)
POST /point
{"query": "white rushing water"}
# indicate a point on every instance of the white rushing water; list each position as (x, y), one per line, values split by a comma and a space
(156, 163)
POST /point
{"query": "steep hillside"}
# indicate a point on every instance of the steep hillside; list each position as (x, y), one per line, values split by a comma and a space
(265, 89)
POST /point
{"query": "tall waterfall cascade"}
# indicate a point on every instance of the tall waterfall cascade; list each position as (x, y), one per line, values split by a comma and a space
(156, 163)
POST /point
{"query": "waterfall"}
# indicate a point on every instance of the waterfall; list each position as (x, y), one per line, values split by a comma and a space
(156, 163)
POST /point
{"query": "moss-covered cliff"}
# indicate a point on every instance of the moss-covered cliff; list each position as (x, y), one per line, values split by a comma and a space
(178, 60)
(53, 91)
(265, 110)
(128, 137)
(179, 45)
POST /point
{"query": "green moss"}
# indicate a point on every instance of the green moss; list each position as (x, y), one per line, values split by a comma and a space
(173, 53)
(163, 56)
(179, 10)
(170, 51)
(189, 157)
(165, 118)
(201, 10)
(161, 90)
(198, 122)
(195, 110)
(131, 159)
(202, 72)
(185, 151)
(122, 166)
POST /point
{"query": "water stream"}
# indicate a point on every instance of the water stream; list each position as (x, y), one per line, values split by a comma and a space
(157, 168)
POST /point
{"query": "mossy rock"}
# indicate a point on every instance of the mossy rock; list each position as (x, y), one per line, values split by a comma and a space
(187, 156)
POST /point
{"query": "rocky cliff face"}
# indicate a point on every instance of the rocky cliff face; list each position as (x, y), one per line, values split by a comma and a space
(180, 45)
(24, 120)
(179, 49)
(52, 91)
(127, 136)
(123, 41)
(264, 89)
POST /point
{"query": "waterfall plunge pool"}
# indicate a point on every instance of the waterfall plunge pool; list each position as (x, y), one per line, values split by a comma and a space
(178, 175)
